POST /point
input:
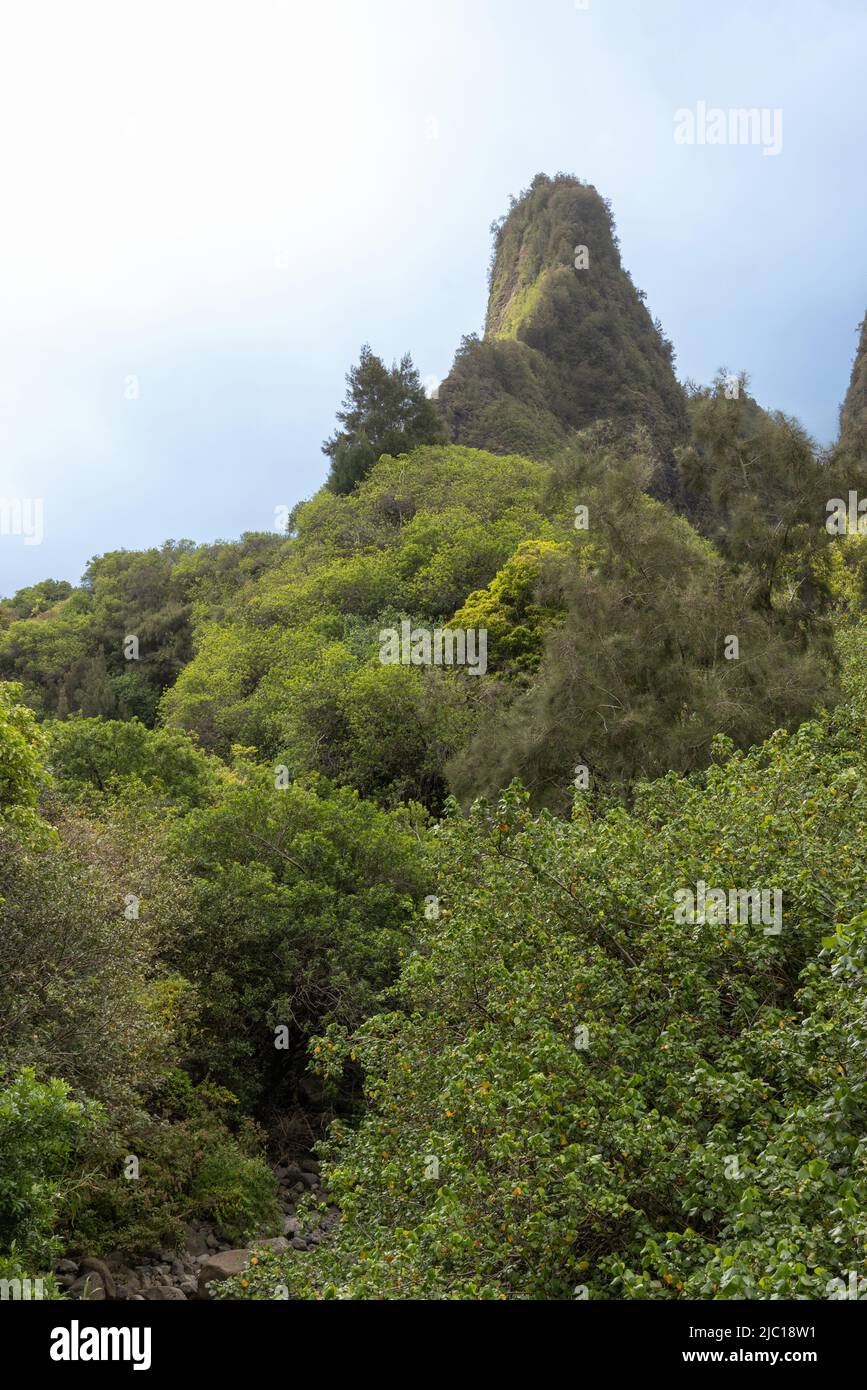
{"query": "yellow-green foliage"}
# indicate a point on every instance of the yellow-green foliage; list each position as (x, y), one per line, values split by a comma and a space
(22, 752)
(519, 308)
(293, 667)
(509, 610)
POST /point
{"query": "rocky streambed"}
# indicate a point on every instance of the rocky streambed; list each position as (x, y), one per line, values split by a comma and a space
(208, 1254)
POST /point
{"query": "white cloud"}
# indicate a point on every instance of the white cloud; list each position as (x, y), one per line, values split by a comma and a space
(145, 148)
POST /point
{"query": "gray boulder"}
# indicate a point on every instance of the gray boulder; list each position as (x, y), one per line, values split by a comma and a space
(164, 1293)
(195, 1241)
(90, 1265)
(225, 1265)
(88, 1287)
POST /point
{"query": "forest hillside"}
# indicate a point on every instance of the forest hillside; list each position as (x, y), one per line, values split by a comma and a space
(459, 894)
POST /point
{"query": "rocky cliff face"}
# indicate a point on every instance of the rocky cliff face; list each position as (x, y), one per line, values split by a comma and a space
(568, 339)
(853, 415)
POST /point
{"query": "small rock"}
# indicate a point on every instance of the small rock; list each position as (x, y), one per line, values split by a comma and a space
(222, 1266)
(88, 1287)
(275, 1243)
(195, 1241)
(298, 1243)
(291, 1226)
(89, 1265)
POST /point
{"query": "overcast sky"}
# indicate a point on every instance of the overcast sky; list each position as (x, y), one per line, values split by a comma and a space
(211, 206)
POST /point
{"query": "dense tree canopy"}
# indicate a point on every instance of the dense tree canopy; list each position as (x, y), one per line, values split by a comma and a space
(581, 1094)
(70, 648)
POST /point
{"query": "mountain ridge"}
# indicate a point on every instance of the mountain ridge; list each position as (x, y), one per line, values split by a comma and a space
(568, 339)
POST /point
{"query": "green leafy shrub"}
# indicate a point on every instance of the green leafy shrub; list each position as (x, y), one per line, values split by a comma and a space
(22, 753)
(304, 896)
(67, 646)
(236, 1191)
(511, 610)
(197, 1160)
(123, 758)
(708, 1141)
(293, 668)
(25, 1282)
(84, 990)
(43, 1133)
